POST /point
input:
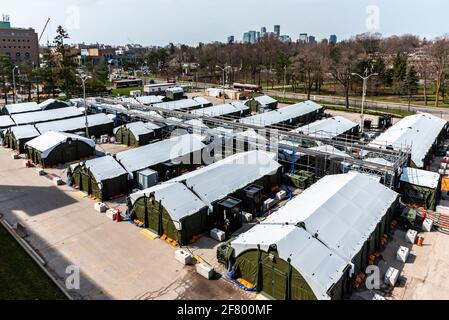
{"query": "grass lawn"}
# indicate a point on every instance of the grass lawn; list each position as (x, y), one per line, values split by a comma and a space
(20, 277)
(125, 91)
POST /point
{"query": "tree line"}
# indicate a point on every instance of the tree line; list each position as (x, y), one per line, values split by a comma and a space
(406, 65)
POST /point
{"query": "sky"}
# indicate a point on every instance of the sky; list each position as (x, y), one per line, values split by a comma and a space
(159, 22)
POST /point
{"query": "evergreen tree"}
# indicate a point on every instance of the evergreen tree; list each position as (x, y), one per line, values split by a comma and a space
(101, 71)
(411, 84)
(67, 63)
(399, 73)
(5, 73)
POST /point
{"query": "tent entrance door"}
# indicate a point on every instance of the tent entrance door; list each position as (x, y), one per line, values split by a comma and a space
(274, 281)
(69, 154)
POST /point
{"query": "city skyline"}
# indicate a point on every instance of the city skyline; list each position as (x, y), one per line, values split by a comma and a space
(184, 21)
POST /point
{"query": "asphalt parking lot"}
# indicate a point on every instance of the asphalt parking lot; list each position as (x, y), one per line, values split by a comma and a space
(115, 260)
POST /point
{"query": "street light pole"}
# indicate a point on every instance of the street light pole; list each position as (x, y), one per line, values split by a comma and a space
(285, 78)
(14, 82)
(365, 87)
(224, 80)
(83, 81)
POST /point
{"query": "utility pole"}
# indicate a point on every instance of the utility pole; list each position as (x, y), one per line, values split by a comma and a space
(14, 83)
(365, 86)
(83, 81)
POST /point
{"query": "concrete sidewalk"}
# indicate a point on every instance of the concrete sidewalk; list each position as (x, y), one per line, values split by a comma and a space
(115, 260)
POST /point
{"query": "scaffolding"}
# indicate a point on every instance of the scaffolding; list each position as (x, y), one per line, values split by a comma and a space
(341, 154)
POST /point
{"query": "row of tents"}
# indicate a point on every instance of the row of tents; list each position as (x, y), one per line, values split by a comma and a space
(111, 176)
(17, 108)
(15, 137)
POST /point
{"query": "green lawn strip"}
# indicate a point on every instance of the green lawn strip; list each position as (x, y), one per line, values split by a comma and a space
(125, 91)
(20, 277)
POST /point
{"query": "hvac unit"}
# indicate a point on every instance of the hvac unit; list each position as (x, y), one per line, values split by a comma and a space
(253, 200)
(146, 179)
(229, 216)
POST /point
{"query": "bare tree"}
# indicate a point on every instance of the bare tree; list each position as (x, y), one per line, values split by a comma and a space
(344, 58)
(439, 53)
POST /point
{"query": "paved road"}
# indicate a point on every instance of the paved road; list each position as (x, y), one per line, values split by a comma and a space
(371, 104)
(115, 260)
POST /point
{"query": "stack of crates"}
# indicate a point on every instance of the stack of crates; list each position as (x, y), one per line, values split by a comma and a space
(298, 181)
(302, 179)
(309, 175)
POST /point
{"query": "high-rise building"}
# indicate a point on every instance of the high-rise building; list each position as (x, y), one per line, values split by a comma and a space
(246, 37)
(277, 30)
(252, 36)
(231, 39)
(303, 38)
(263, 31)
(18, 43)
(312, 39)
(258, 35)
(333, 39)
(285, 38)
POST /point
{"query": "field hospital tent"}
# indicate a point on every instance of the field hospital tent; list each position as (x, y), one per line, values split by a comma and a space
(52, 148)
(170, 209)
(346, 214)
(102, 177)
(137, 134)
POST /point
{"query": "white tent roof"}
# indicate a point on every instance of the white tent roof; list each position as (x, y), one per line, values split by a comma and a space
(330, 150)
(149, 99)
(22, 107)
(175, 90)
(159, 152)
(110, 108)
(43, 116)
(105, 168)
(418, 131)
(179, 104)
(265, 100)
(46, 142)
(319, 266)
(24, 132)
(218, 180)
(6, 122)
(179, 201)
(283, 114)
(327, 128)
(78, 123)
(220, 110)
(421, 178)
(251, 136)
(343, 210)
(48, 102)
(139, 128)
(201, 100)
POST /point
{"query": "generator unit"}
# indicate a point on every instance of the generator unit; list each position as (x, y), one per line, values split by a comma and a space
(253, 200)
(229, 215)
(385, 122)
(147, 179)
